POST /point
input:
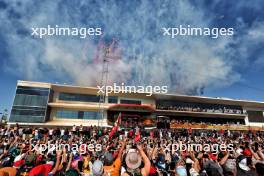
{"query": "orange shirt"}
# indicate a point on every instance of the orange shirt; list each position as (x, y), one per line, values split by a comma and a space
(113, 170)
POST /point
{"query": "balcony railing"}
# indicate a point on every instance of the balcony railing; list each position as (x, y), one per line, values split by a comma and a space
(201, 110)
(215, 127)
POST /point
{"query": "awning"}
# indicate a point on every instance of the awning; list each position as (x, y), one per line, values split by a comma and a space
(131, 107)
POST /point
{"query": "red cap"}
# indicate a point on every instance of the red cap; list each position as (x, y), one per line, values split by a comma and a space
(247, 152)
(213, 157)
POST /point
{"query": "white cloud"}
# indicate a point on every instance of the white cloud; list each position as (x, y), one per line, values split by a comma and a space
(185, 64)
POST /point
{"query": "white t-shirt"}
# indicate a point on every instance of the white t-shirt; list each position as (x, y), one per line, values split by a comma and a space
(51, 132)
(20, 131)
(62, 132)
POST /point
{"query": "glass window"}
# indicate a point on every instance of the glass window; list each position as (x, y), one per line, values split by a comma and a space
(28, 112)
(27, 118)
(32, 91)
(255, 116)
(91, 115)
(30, 104)
(33, 88)
(68, 114)
(112, 99)
(80, 114)
(137, 102)
(29, 108)
(30, 100)
(79, 97)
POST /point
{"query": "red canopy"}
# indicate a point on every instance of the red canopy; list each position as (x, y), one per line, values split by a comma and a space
(131, 107)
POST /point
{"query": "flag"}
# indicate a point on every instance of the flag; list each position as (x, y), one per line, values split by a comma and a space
(137, 137)
(130, 133)
(118, 120)
(116, 126)
(19, 161)
(113, 131)
(18, 164)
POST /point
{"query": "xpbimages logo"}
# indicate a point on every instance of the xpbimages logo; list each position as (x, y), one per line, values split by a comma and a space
(65, 31)
(79, 148)
(188, 30)
(149, 90)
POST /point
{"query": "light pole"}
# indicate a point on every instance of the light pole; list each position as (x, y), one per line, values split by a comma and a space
(109, 53)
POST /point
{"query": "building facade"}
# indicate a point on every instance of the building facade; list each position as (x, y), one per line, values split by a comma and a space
(37, 103)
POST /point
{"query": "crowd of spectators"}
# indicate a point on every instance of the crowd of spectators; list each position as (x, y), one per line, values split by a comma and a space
(129, 152)
(200, 108)
(191, 122)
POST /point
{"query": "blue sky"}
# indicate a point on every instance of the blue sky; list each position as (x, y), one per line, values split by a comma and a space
(223, 67)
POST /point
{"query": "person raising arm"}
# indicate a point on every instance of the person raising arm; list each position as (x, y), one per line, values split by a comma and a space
(145, 170)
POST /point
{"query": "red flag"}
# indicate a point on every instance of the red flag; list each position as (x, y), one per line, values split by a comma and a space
(137, 137)
(130, 133)
(118, 120)
(116, 126)
(113, 131)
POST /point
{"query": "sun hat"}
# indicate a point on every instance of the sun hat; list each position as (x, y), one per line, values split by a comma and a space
(133, 160)
(98, 168)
